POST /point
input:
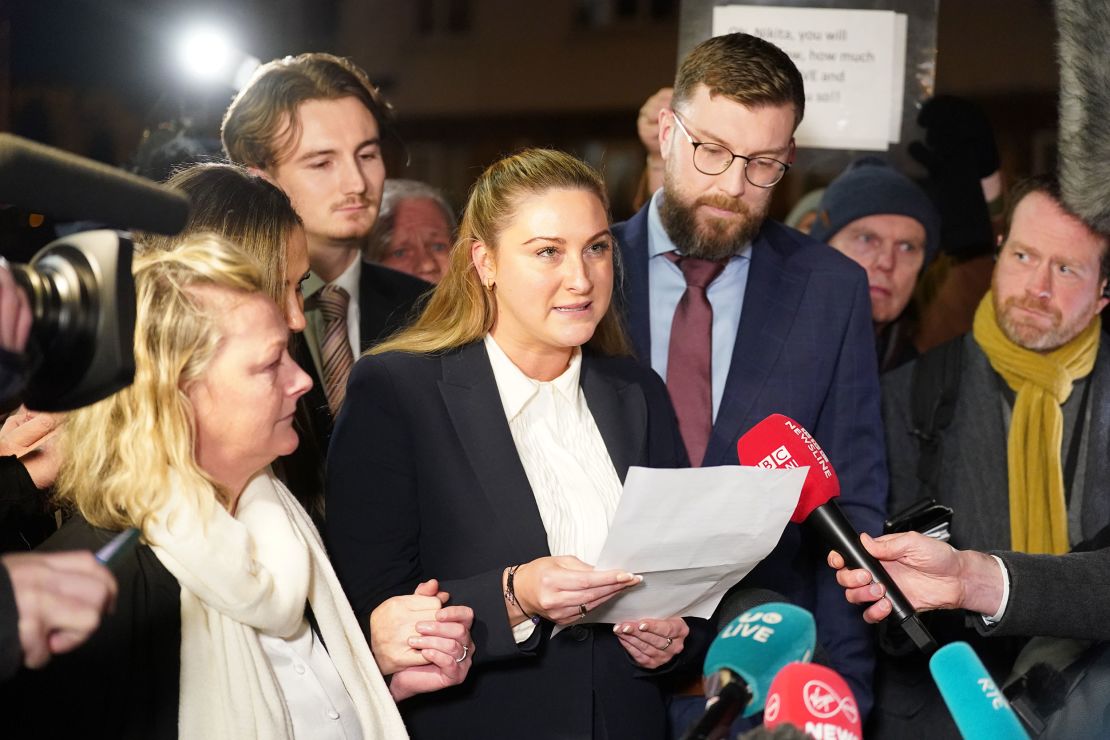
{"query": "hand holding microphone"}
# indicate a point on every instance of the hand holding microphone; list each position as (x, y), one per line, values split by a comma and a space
(780, 442)
(932, 574)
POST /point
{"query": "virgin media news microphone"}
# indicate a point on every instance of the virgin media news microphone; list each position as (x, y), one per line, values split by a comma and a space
(780, 442)
(976, 704)
(743, 659)
(814, 699)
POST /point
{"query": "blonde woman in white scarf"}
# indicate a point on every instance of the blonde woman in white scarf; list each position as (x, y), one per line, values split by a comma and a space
(230, 622)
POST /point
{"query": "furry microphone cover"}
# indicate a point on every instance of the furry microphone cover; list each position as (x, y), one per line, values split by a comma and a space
(1084, 143)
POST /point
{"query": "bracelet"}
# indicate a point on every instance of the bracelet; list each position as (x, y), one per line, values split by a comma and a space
(510, 594)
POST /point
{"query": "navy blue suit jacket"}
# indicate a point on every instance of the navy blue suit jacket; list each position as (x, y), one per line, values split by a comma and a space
(805, 348)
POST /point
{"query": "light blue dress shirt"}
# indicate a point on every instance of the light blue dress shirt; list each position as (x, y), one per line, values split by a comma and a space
(666, 286)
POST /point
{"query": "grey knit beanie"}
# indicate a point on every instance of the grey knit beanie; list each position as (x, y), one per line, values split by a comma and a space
(870, 187)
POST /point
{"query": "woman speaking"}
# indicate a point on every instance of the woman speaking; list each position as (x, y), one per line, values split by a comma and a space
(487, 444)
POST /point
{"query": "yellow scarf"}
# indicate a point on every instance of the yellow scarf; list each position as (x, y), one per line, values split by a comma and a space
(1042, 382)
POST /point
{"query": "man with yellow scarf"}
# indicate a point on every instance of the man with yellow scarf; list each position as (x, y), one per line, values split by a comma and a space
(1011, 428)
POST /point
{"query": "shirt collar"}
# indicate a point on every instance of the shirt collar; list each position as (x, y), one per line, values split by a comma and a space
(517, 389)
(659, 242)
(348, 280)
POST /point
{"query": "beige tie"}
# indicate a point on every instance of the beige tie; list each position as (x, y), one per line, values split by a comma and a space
(335, 351)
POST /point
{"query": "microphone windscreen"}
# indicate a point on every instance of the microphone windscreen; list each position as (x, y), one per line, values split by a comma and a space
(977, 705)
(66, 187)
(757, 644)
(780, 442)
(815, 699)
(741, 599)
(1083, 136)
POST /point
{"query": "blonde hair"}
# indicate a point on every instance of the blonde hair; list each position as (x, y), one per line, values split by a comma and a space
(243, 208)
(461, 310)
(122, 453)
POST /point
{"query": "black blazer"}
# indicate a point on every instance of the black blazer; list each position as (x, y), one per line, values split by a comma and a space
(124, 681)
(424, 481)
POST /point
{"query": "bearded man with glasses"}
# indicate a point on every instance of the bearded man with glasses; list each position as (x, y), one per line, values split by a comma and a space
(744, 317)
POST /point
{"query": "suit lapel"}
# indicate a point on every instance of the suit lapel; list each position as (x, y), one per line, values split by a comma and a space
(474, 405)
(314, 321)
(771, 301)
(632, 236)
(620, 412)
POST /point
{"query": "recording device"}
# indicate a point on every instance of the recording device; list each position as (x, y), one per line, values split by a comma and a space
(813, 698)
(80, 287)
(743, 659)
(1036, 695)
(781, 442)
(926, 516)
(977, 705)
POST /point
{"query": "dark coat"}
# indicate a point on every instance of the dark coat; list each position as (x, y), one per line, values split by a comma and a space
(1059, 596)
(124, 681)
(973, 480)
(424, 481)
(805, 348)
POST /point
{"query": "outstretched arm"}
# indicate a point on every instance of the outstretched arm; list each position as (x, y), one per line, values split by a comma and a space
(932, 575)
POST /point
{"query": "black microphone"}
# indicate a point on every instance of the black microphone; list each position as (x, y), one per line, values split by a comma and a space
(42, 179)
(781, 442)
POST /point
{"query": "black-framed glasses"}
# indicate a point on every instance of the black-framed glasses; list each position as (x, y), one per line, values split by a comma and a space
(714, 159)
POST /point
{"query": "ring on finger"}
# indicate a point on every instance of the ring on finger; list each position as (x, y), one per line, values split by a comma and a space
(668, 645)
(466, 651)
(583, 610)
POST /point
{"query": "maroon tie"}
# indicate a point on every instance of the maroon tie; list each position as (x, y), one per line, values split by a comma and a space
(689, 358)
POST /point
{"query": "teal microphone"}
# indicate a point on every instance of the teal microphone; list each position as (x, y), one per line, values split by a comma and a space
(744, 658)
(975, 702)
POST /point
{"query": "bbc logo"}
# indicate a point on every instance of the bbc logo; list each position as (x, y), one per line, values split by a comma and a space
(779, 458)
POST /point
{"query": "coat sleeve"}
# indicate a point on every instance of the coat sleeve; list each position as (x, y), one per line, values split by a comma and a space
(11, 652)
(373, 523)
(1056, 595)
(850, 429)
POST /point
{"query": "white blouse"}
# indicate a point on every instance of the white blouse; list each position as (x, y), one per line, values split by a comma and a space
(319, 706)
(563, 454)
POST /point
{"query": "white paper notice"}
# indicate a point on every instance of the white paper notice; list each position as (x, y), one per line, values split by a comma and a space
(852, 62)
(693, 533)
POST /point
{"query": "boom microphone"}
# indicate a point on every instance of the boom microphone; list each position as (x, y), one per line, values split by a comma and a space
(977, 705)
(744, 658)
(780, 442)
(42, 179)
(815, 699)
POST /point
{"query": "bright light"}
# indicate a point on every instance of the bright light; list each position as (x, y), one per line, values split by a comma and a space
(207, 53)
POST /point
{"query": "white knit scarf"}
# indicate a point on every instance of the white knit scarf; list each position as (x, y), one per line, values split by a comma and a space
(248, 574)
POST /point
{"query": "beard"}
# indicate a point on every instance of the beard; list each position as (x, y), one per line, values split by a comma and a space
(1036, 338)
(714, 238)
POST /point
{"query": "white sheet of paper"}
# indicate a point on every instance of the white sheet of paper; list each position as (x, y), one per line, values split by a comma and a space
(692, 533)
(847, 60)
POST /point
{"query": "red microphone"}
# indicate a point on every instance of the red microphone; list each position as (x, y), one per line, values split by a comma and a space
(815, 699)
(780, 442)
